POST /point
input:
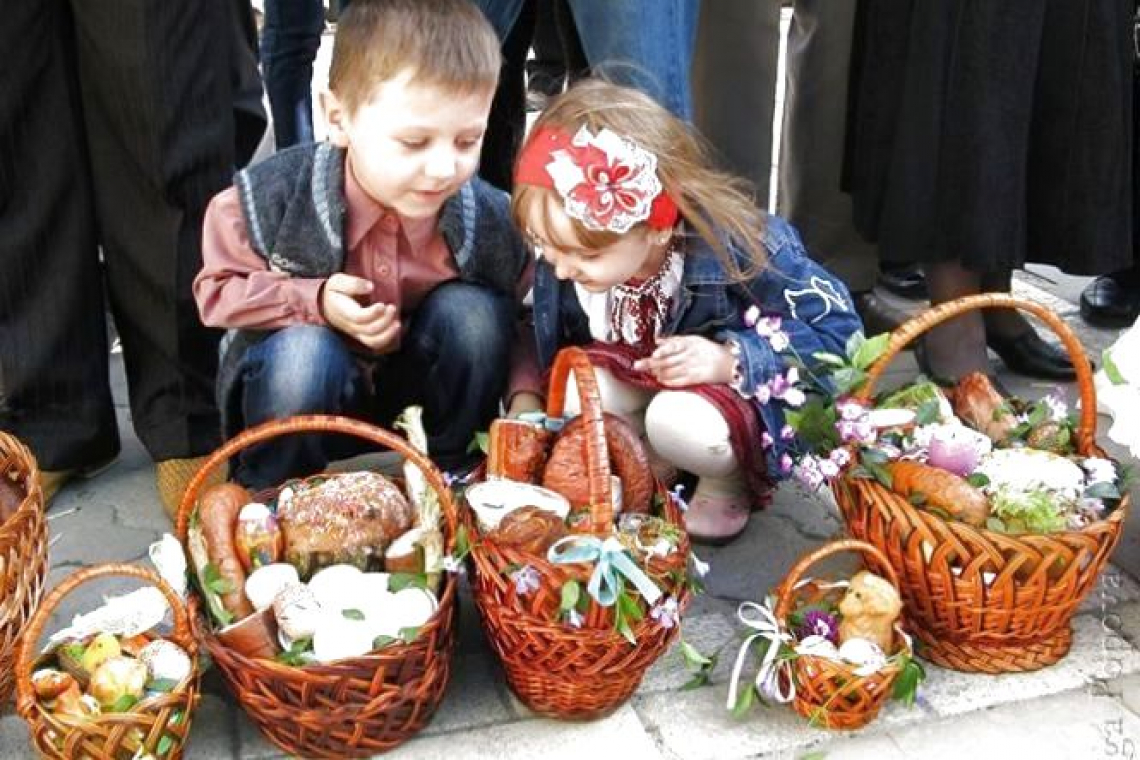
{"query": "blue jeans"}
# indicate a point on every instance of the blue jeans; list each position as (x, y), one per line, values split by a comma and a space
(454, 360)
(290, 38)
(646, 44)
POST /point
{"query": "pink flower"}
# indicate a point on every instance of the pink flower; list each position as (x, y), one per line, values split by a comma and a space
(786, 464)
(841, 457)
(766, 440)
(526, 580)
(666, 612)
(751, 315)
(787, 433)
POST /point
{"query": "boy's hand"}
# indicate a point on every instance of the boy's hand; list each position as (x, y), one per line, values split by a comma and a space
(688, 360)
(377, 326)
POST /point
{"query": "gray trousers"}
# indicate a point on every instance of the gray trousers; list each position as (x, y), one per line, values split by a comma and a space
(734, 93)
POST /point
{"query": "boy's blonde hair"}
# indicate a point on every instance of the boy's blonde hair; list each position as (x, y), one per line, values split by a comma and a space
(445, 43)
(717, 206)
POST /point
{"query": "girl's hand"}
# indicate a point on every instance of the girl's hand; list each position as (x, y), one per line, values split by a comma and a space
(377, 326)
(688, 360)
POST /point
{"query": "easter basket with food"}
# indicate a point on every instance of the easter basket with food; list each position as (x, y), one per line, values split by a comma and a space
(579, 590)
(833, 649)
(110, 686)
(998, 514)
(323, 602)
(23, 549)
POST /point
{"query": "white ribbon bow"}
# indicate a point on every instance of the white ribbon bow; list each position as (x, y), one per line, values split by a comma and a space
(762, 619)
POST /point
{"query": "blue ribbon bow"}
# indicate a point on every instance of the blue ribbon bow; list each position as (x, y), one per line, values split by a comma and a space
(612, 561)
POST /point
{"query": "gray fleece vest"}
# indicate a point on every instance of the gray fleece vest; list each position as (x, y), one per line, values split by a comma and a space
(294, 208)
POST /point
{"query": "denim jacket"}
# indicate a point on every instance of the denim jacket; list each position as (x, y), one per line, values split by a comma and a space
(816, 311)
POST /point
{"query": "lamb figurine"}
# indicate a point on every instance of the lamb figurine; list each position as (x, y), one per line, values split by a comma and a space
(869, 609)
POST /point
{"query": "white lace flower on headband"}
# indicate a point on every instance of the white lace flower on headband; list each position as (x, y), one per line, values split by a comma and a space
(606, 182)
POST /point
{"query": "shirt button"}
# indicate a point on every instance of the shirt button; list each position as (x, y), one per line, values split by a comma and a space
(383, 270)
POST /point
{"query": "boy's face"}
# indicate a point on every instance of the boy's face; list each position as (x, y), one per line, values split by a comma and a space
(412, 145)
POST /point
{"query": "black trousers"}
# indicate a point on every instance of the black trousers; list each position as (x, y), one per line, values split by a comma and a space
(117, 126)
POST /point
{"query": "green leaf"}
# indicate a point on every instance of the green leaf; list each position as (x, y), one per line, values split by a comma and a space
(481, 442)
(401, 581)
(824, 357)
(571, 593)
(462, 543)
(295, 654)
(123, 703)
(927, 412)
(164, 745)
(409, 634)
(906, 685)
(817, 755)
(917, 498)
(744, 701)
(879, 473)
(694, 660)
(870, 351)
(164, 685)
(214, 580)
(848, 379)
(995, 524)
(854, 343)
(352, 614)
(1111, 371)
(978, 479)
(382, 641)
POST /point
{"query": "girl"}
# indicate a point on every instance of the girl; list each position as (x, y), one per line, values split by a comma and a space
(690, 300)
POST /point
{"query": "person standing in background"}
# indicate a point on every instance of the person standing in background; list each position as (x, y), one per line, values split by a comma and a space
(734, 97)
(117, 125)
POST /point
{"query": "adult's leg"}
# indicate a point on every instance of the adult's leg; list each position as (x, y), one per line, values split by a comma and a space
(812, 142)
(157, 101)
(513, 21)
(305, 369)
(54, 389)
(455, 361)
(290, 38)
(734, 85)
(646, 44)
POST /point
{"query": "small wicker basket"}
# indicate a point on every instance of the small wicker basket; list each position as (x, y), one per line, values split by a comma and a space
(828, 692)
(23, 554)
(557, 670)
(354, 707)
(977, 600)
(158, 726)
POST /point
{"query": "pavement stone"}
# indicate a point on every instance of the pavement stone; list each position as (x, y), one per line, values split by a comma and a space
(709, 634)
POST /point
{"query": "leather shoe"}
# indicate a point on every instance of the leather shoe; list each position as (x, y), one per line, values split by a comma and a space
(1112, 300)
(907, 281)
(878, 316)
(1028, 354)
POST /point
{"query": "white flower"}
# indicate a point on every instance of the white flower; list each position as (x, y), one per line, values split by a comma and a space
(1057, 406)
(700, 567)
(452, 564)
(526, 580)
(574, 619)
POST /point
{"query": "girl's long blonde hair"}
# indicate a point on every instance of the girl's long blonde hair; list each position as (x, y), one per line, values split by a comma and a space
(718, 206)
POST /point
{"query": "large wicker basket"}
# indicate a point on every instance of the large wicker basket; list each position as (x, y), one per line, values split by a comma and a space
(977, 600)
(23, 554)
(354, 707)
(828, 692)
(557, 670)
(158, 726)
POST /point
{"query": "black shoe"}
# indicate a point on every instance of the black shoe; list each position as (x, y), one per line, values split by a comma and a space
(878, 316)
(1029, 354)
(1112, 300)
(923, 362)
(906, 281)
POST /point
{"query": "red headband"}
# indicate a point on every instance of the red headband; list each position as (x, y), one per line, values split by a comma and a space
(606, 181)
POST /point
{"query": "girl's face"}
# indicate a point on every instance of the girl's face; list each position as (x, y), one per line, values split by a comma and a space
(638, 253)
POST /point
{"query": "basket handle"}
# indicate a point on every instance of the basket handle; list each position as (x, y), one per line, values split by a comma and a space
(597, 455)
(317, 423)
(786, 590)
(916, 326)
(182, 636)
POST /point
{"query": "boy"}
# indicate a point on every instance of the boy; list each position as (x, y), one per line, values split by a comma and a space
(373, 271)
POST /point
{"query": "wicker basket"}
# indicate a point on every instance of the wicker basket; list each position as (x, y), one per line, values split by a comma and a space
(23, 555)
(557, 670)
(828, 693)
(354, 707)
(977, 600)
(157, 726)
